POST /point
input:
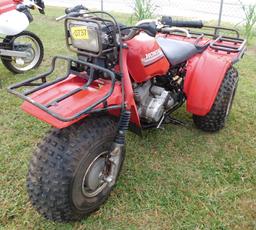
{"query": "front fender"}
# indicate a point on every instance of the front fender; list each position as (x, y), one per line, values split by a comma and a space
(205, 73)
(74, 104)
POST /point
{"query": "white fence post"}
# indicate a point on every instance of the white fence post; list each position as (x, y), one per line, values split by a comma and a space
(220, 12)
(101, 5)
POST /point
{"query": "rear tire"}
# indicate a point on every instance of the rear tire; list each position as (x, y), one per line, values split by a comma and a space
(8, 62)
(216, 118)
(65, 163)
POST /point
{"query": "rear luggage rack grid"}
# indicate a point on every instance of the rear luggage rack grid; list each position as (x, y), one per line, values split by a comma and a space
(214, 32)
(37, 86)
(226, 43)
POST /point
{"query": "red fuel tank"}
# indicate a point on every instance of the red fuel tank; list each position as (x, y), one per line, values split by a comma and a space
(145, 58)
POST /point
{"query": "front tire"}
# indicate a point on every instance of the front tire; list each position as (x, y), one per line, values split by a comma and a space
(64, 176)
(216, 118)
(36, 51)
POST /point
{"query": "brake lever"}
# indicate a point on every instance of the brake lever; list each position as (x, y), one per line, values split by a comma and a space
(61, 17)
(72, 14)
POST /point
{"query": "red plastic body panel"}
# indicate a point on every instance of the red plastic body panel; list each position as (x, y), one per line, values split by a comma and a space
(145, 58)
(8, 5)
(73, 104)
(205, 73)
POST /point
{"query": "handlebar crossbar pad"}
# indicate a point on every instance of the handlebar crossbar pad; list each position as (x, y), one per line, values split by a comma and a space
(168, 21)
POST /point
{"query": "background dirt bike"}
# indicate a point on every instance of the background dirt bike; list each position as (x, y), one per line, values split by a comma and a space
(123, 77)
(20, 50)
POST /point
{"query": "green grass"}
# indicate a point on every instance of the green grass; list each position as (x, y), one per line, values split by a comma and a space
(176, 178)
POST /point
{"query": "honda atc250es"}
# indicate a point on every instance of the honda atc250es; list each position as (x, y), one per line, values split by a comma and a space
(20, 50)
(123, 77)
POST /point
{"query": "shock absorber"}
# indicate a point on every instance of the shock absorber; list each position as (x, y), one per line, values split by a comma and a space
(123, 126)
(118, 148)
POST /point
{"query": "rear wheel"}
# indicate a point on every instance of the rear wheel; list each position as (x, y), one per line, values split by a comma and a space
(67, 175)
(25, 42)
(216, 118)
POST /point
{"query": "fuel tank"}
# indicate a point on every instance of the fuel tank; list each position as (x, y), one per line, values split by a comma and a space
(145, 58)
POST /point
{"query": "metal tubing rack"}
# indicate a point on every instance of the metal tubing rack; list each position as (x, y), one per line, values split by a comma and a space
(43, 84)
(228, 44)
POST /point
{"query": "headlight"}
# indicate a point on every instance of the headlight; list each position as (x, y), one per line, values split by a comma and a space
(90, 37)
(84, 37)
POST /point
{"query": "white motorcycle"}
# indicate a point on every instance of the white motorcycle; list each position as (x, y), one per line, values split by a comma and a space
(20, 50)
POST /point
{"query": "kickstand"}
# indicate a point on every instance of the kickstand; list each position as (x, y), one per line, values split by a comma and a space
(174, 121)
(170, 120)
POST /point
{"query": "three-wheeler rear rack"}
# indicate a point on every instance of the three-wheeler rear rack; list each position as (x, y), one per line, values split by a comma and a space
(226, 43)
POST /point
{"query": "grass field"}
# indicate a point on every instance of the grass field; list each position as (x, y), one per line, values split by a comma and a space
(176, 178)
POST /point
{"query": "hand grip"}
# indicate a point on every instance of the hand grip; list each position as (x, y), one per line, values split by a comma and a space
(168, 21)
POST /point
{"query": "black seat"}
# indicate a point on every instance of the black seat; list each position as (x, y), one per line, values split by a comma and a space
(177, 51)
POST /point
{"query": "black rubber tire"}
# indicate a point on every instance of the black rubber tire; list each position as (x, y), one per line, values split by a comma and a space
(216, 118)
(59, 163)
(7, 61)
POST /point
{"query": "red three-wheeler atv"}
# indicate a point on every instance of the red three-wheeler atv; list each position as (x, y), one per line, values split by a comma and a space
(123, 77)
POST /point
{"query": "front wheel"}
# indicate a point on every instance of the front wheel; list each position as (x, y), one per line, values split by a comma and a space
(216, 118)
(26, 42)
(68, 173)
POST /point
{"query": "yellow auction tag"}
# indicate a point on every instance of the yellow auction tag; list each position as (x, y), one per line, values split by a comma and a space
(79, 33)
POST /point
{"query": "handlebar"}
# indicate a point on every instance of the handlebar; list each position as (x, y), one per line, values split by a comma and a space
(75, 11)
(130, 35)
(31, 4)
(168, 21)
(151, 27)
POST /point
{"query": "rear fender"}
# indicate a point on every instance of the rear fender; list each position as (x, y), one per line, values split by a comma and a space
(205, 73)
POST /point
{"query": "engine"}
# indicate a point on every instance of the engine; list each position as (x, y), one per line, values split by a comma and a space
(152, 101)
